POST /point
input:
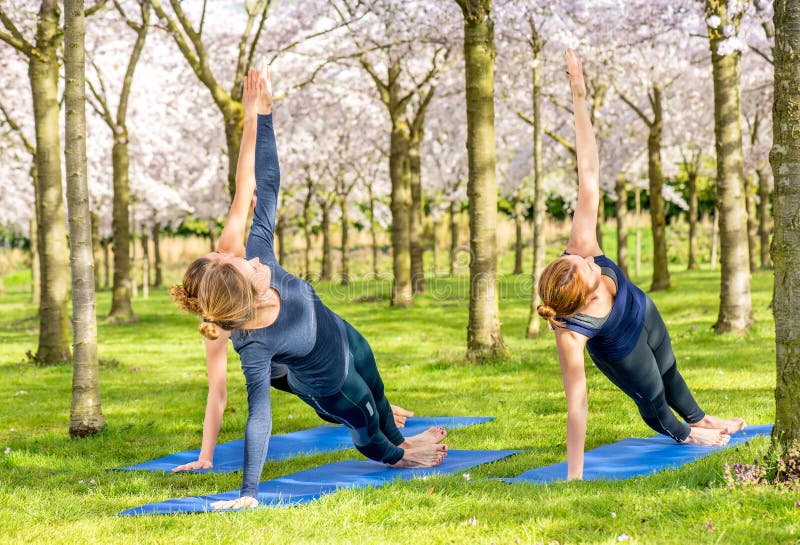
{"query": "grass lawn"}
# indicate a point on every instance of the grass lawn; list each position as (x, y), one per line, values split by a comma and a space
(54, 489)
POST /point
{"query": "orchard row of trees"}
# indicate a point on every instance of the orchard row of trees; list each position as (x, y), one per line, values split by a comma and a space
(387, 99)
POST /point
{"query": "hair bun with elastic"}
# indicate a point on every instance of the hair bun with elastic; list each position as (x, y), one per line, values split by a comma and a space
(546, 311)
(209, 330)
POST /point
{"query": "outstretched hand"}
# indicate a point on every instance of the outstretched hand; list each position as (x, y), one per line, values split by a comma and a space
(239, 503)
(257, 90)
(197, 464)
(575, 73)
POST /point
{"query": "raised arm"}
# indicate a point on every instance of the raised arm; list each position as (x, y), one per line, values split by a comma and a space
(583, 236)
(253, 103)
(570, 355)
(268, 177)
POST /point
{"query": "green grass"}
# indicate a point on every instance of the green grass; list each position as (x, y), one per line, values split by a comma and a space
(55, 489)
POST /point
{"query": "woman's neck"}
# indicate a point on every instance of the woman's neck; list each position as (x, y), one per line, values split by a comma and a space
(267, 310)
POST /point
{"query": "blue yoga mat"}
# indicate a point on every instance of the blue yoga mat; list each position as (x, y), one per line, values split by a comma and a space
(228, 457)
(306, 486)
(634, 457)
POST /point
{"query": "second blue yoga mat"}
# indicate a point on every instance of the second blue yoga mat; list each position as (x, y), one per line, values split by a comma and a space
(308, 485)
(634, 457)
(228, 456)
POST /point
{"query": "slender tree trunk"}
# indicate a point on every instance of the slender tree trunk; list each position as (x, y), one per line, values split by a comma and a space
(785, 158)
(484, 338)
(714, 238)
(159, 280)
(36, 281)
(402, 294)
(212, 236)
(106, 260)
(537, 326)
(121, 308)
(327, 259)
(453, 236)
(54, 333)
(435, 230)
(86, 416)
(96, 249)
(692, 187)
(622, 223)
(145, 263)
(373, 231)
(519, 221)
(415, 218)
(764, 219)
(735, 307)
(280, 235)
(658, 220)
(601, 220)
(752, 223)
(307, 228)
(345, 240)
(638, 194)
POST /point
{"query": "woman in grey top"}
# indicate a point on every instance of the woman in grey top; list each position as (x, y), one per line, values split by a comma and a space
(273, 317)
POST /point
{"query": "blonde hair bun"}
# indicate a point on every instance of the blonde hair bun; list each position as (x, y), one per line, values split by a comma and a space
(209, 330)
(545, 311)
(184, 300)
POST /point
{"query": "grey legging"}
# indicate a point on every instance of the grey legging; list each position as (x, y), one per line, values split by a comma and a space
(649, 375)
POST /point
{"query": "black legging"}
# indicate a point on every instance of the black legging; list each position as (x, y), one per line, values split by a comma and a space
(361, 405)
(649, 375)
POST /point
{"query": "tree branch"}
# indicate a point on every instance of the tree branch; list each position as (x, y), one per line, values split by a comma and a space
(94, 9)
(15, 39)
(761, 54)
(141, 35)
(15, 126)
(563, 141)
(633, 106)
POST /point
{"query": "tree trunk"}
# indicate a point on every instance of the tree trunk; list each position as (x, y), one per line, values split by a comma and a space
(435, 230)
(764, 219)
(752, 223)
(714, 238)
(658, 220)
(280, 235)
(373, 231)
(345, 241)
(622, 223)
(601, 220)
(106, 260)
(537, 326)
(692, 187)
(307, 229)
(327, 259)
(54, 334)
(145, 264)
(785, 156)
(453, 236)
(121, 308)
(402, 295)
(735, 308)
(36, 281)
(212, 236)
(415, 218)
(96, 249)
(484, 338)
(638, 195)
(86, 417)
(519, 221)
(159, 280)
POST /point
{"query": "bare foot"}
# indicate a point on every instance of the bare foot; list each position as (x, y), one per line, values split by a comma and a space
(727, 426)
(709, 437)
(424, 456)
(431, 436)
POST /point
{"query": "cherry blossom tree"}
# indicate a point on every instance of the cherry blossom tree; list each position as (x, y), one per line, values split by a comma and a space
(785, 158)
